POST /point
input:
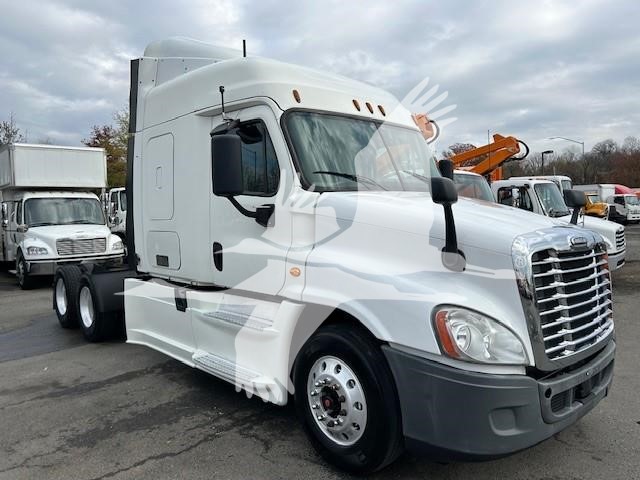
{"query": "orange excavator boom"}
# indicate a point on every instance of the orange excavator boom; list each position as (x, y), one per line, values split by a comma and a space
(492, 156)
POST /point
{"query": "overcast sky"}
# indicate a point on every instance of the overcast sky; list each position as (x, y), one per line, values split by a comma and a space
(532, 69)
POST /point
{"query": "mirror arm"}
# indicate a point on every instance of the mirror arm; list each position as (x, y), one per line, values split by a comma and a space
(263, 214)
(451, 238)
(575, 215)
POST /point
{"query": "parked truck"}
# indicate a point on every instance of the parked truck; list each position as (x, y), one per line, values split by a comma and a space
(626, 207)
(289, 232)
(49, 214)
(544, 198)
(115, 207)
(595, 207)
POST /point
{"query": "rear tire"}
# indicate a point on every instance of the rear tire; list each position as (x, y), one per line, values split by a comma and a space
(342, 375)
(96, 326)
(66, 283)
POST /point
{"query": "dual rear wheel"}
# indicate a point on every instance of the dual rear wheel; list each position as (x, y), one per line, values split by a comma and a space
(74, 301)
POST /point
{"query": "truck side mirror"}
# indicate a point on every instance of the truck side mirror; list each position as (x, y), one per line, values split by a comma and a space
(444, 192)
(446, 168)
(226, 165)
(577, 200)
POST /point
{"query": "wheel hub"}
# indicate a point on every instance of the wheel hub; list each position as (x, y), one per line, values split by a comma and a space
(86, 307)
(336, 399)
(61, 297)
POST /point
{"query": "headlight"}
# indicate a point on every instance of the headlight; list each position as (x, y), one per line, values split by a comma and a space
(117, 246)
(37, 251)
(473, 337)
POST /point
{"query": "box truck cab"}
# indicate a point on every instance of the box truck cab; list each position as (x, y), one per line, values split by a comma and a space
(544, 198)
(115, 207)
(296, 239)
(626, 206)
(47, 218)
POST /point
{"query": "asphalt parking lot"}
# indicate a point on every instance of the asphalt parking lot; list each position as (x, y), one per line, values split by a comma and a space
(69, 409)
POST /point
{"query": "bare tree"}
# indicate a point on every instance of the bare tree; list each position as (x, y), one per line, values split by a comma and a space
(9, 131)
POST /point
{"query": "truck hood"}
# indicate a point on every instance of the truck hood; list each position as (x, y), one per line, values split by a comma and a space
(48, 233)
(479, 224)
(599, 225)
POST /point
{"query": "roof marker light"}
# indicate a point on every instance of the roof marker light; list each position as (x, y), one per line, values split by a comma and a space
(356, 104)
(381, 108)
(369, 107)
(296, 95)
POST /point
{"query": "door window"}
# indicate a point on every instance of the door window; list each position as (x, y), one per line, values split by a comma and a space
(19, 213)
(260, 167)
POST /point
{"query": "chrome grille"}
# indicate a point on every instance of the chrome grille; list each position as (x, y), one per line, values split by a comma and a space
(573, 298)
(620, 241)
(84, 246)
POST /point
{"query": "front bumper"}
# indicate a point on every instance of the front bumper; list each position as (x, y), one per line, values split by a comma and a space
(453, 414)
(48, 266)
(616, 260)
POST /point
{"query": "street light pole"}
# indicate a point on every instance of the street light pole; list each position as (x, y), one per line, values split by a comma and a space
(569, 140)
(546, 152)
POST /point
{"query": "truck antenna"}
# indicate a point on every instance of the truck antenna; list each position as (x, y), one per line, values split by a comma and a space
(244, 48)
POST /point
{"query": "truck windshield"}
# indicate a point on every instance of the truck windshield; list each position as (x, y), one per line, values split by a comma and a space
(338, 153)
(632, 200)
(551, 199)
(473, 186)
(62, 211)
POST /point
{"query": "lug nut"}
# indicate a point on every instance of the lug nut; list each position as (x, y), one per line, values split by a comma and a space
(318, 384)
(314, 393)
(335, 386)
(343, 413)
(321, 418)
(315, 406)
(331, 423)
(341, 399)
(340, 421)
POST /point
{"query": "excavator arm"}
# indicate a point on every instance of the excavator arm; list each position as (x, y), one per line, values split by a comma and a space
(491, 157)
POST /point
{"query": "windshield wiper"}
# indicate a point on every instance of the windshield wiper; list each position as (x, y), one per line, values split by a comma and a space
(554, 214)
(352, 177)
(76, 222)
(418, 176)
(40, 224)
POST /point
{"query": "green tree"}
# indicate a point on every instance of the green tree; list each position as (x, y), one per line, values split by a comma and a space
(113, 138)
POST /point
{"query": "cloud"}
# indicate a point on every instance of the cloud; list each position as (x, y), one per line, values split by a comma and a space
(530, 69)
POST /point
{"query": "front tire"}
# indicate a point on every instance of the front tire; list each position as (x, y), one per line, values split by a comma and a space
(347, 401)
(25, 281)
(66, 283)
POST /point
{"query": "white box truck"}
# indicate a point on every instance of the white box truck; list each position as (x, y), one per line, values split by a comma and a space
(291, 234)
(49, 214)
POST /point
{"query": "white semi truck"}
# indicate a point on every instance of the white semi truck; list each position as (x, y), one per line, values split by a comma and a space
(289, 232)
(543, 197)
(49, 214)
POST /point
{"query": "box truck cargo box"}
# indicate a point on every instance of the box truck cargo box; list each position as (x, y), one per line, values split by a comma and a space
(49, 166)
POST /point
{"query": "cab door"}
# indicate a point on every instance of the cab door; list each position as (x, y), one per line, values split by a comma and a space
(245, 255)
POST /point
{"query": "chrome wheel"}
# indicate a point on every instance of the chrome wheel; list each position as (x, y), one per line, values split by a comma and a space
(337, 401)
(61, 296)
(86, 307)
